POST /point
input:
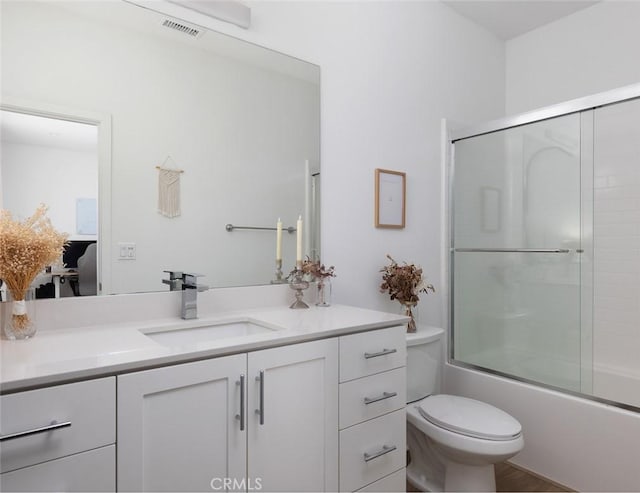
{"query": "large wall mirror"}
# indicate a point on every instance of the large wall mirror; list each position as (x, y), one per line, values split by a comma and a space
(96, 96)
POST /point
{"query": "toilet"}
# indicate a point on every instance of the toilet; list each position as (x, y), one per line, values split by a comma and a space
(453, 441)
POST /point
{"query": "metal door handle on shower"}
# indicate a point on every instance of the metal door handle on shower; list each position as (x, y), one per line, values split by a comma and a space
(513, 250)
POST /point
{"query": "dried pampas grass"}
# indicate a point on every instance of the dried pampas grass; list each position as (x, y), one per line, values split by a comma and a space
(26, 248)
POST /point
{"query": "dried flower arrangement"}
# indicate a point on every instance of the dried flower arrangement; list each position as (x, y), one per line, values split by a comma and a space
(404, 283)
(314, 269)
(26, 248)
(317, 271)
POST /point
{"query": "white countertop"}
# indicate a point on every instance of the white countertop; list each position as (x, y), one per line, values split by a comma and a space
(62, 355)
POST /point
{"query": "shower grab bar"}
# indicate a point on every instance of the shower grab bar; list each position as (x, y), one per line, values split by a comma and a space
(512, 250)
(231, 227)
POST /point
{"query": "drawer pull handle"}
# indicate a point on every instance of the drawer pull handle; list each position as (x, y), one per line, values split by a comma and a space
(241, 415)
(384, 352)
(35, 431)
(385, 395)
(385, 450)
(260, 412)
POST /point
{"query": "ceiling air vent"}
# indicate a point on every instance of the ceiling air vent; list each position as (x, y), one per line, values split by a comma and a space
(183, 28)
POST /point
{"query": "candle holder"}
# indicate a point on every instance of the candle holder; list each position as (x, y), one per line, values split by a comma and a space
(298, 284)
(278, 279)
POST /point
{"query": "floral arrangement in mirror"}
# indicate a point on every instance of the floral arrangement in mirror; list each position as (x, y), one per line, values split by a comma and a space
(404, 283)
(26, 248)
(316, 271)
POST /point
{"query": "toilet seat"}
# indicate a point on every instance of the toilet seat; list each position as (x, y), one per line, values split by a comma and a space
(469, 417)
(480, 448)
(468, 461)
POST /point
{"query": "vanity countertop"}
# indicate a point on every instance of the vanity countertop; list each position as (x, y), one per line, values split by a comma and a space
(63, 355)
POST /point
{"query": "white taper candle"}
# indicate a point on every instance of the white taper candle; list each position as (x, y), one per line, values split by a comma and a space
(299, 242)
(279, 240)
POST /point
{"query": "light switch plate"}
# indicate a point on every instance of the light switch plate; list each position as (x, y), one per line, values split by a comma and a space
(126, 251)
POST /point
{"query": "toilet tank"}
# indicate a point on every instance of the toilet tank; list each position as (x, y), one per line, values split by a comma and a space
(424, 362)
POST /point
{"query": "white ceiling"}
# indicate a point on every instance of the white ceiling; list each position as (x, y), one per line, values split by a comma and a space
(510, 18)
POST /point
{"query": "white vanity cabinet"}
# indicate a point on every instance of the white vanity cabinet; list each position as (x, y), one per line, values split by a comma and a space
(372, 410)
(177, 426)
(195, 427)
(293, 430)
(59, 438)
(302, 415)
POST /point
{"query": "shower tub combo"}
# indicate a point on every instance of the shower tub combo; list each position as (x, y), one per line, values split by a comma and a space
(544, 269)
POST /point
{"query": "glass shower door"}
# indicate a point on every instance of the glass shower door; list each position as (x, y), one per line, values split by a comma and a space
(516, 252)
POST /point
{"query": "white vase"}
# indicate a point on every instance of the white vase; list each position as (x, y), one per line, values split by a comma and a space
(324, 292)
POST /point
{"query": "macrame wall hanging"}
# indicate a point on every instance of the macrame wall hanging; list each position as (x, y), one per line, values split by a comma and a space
(169, 189)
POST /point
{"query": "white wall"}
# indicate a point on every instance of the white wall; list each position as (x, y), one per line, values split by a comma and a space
(390, 72)
(586, 446)
(591, 51)
(34, 174)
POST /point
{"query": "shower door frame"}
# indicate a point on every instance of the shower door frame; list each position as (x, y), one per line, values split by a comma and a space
(585, 106)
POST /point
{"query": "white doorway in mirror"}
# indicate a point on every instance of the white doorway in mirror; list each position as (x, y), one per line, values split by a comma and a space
(52, 160)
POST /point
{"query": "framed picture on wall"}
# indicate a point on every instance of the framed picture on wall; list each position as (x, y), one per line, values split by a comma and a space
(390, 199)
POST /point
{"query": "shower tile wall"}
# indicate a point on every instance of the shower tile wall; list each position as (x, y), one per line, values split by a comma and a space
(616, 316)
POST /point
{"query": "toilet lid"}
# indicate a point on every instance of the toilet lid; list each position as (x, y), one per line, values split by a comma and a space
(469, 417)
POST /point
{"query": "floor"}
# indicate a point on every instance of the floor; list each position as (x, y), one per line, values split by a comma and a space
(509, 478)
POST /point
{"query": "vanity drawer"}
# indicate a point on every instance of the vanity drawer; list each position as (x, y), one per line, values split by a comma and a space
(372, 396)
(372, 352)
(81, 416)
(372, 438)
(94, 470)
(393, 482)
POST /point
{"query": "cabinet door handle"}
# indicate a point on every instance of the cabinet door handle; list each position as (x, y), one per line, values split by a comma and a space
(384, 352)
(241, 415)
(260, 411)
(385, 395)
(385, 450)
(35, 431)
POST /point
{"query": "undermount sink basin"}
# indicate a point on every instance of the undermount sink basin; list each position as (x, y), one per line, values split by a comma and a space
(206, 332)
